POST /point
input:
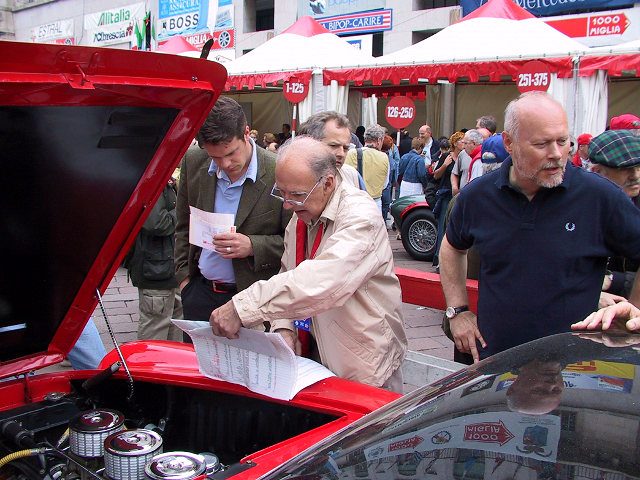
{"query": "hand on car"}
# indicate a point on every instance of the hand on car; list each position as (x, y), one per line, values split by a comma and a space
(225, 321)
(604, 318)
(464, 329)
(233, 245)
(607, 299)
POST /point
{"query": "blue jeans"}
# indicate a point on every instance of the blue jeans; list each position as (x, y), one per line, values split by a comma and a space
(88, 350)
(386, 201)
(441, 216)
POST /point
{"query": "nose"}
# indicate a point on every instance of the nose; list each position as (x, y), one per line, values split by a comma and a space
(555, 150)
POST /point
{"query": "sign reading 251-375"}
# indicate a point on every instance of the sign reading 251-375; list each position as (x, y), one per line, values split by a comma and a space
(533, 75)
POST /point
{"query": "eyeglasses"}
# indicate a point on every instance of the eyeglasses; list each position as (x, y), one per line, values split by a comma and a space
(276, 193)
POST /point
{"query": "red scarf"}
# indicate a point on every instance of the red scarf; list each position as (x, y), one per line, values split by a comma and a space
(301, 253)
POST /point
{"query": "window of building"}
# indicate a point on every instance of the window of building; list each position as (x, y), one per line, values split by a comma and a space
(429, 4)
(258, 15)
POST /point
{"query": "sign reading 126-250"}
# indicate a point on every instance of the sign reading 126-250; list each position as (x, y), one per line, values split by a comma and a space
(534, 75)
(400, 112)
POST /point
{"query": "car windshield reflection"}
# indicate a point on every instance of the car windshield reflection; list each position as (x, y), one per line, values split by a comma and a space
(553, 407)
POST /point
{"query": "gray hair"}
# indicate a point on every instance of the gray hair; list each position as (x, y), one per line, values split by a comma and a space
(314, 126)
(490, 167)
(318, 156)
(488, 122)
(475, 136)
(373, 133)
(511, 114)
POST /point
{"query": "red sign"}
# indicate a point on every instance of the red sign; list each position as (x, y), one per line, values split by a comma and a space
(412, 442)
(592, 25)
(488, 432)
(222, 39)
(613, 24)
(533, 75)
(400, 112)
(295, 91)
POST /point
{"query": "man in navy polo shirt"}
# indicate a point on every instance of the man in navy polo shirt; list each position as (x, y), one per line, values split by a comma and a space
(543, 250)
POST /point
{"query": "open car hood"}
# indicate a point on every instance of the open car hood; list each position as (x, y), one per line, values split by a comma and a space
(89, 138)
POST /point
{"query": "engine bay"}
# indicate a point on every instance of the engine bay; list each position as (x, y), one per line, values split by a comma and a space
(183, 430)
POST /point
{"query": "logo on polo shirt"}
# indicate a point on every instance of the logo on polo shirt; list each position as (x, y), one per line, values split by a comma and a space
(570, 226)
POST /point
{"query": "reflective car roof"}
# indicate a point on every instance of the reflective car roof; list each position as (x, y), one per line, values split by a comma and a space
(562, 407)
(89, 138)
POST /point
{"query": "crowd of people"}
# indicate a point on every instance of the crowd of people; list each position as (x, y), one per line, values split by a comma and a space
(551, 237)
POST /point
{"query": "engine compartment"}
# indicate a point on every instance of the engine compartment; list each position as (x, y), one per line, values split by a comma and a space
(187, 419)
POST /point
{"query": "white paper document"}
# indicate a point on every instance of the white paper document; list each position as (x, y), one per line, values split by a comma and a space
(204, 225)
(260, 361)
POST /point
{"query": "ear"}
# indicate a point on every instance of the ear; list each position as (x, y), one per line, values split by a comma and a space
(329, 182)
(508, 142)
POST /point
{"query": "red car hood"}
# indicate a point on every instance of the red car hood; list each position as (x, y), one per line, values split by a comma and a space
(89, 137)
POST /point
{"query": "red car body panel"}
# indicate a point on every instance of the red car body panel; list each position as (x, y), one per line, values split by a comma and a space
(413, 206)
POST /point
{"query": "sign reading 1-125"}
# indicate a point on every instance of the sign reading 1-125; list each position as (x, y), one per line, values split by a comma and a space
(534, 75)
(400, 112)
(295, 91)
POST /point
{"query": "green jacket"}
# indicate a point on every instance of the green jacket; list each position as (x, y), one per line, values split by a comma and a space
(260, 216)
(150, 262)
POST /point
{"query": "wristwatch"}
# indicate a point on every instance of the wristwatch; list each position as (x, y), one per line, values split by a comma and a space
(451, 312)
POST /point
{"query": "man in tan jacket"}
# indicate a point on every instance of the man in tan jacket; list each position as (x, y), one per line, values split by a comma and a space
(337, 274)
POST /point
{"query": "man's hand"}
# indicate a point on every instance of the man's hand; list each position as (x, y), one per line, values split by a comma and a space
(623, 312)
(292, 340)
(225, 321)
(608, 299)
(183, 283)
(233, 245)
(464, 328)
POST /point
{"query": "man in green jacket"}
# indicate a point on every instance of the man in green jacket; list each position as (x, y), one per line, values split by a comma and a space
(151, 269)
(227, 173)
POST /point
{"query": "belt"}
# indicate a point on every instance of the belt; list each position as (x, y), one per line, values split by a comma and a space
(221, 287)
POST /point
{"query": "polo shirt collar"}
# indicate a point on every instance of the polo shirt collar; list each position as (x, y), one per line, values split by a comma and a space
(503, 176)
(252, 171)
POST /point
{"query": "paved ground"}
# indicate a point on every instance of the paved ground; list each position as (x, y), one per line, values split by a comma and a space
(422, 324)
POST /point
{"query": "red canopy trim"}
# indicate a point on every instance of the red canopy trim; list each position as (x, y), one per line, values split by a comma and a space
(613, 64)
(450, 71)
(258, 80)
(411, 91)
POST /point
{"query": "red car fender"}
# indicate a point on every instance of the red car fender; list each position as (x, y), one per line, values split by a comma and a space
(413, 206)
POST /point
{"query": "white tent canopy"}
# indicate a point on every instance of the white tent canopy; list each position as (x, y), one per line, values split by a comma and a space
(292, 51)
(305, 46)
(488, 39)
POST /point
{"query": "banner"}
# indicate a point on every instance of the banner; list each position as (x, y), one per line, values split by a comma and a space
(551, 7)
(53, 32)
(593, 375)
(185, 17)
(113, 26)
(510, 433)
(337, 7)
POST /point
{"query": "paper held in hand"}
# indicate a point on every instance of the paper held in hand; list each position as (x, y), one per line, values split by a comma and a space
(260, 361)
(204, 225)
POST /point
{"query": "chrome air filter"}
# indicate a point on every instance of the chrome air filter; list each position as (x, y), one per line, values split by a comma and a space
(175, 466)
(127, 452)
(88, 431)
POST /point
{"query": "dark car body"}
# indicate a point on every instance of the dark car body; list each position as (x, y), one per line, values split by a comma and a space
(417, 226)
(90, 137)
(562, 407)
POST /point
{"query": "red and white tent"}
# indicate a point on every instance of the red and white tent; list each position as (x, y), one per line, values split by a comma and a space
(178, 45)
(302, 48)
(493, 41)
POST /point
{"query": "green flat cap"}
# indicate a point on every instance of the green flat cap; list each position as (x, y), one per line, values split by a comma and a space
(615, 149)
